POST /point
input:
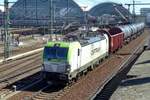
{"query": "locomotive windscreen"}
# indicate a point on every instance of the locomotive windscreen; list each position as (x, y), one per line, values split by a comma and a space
(51, 53)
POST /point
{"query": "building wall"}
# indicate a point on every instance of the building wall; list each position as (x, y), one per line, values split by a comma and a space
(144, 11)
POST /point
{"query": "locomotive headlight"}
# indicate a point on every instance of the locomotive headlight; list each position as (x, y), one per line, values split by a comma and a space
(68, 68)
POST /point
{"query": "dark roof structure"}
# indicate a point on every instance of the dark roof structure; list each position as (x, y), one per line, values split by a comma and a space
(108, 9)
(36, 12)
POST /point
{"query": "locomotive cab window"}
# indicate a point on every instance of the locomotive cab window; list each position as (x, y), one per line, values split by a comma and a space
(51, 53)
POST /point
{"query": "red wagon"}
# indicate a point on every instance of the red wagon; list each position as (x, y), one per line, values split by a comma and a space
(115, 39)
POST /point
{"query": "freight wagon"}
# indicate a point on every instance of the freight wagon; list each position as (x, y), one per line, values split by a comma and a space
(120, 34)
(130, 31)
(115, 39)
(66, 60)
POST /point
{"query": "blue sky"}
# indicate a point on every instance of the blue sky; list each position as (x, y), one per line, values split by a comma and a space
(91, 3)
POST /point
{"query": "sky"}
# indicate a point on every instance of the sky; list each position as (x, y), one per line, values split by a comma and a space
(90, 3)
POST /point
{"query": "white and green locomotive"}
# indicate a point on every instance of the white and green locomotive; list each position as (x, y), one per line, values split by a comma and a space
(64, 61)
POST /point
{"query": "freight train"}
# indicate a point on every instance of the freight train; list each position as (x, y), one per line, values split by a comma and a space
(66, 60)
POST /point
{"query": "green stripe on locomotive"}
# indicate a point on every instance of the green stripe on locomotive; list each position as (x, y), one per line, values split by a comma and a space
(70, 45)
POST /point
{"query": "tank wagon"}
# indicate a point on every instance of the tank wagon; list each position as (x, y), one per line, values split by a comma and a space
(120, 34)
(66, 60)
(130, 31)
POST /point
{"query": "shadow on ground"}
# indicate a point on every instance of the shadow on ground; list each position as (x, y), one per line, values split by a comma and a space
(137, 81)
(144, 62)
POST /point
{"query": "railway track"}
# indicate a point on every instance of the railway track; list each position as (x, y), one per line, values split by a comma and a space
(91, 83)
(112, 85)
(19, 50)
(49, 91)
(83, 85)
(20, 85)
(6, 65)
(40, 91)
(104, 92)
(19, 69)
